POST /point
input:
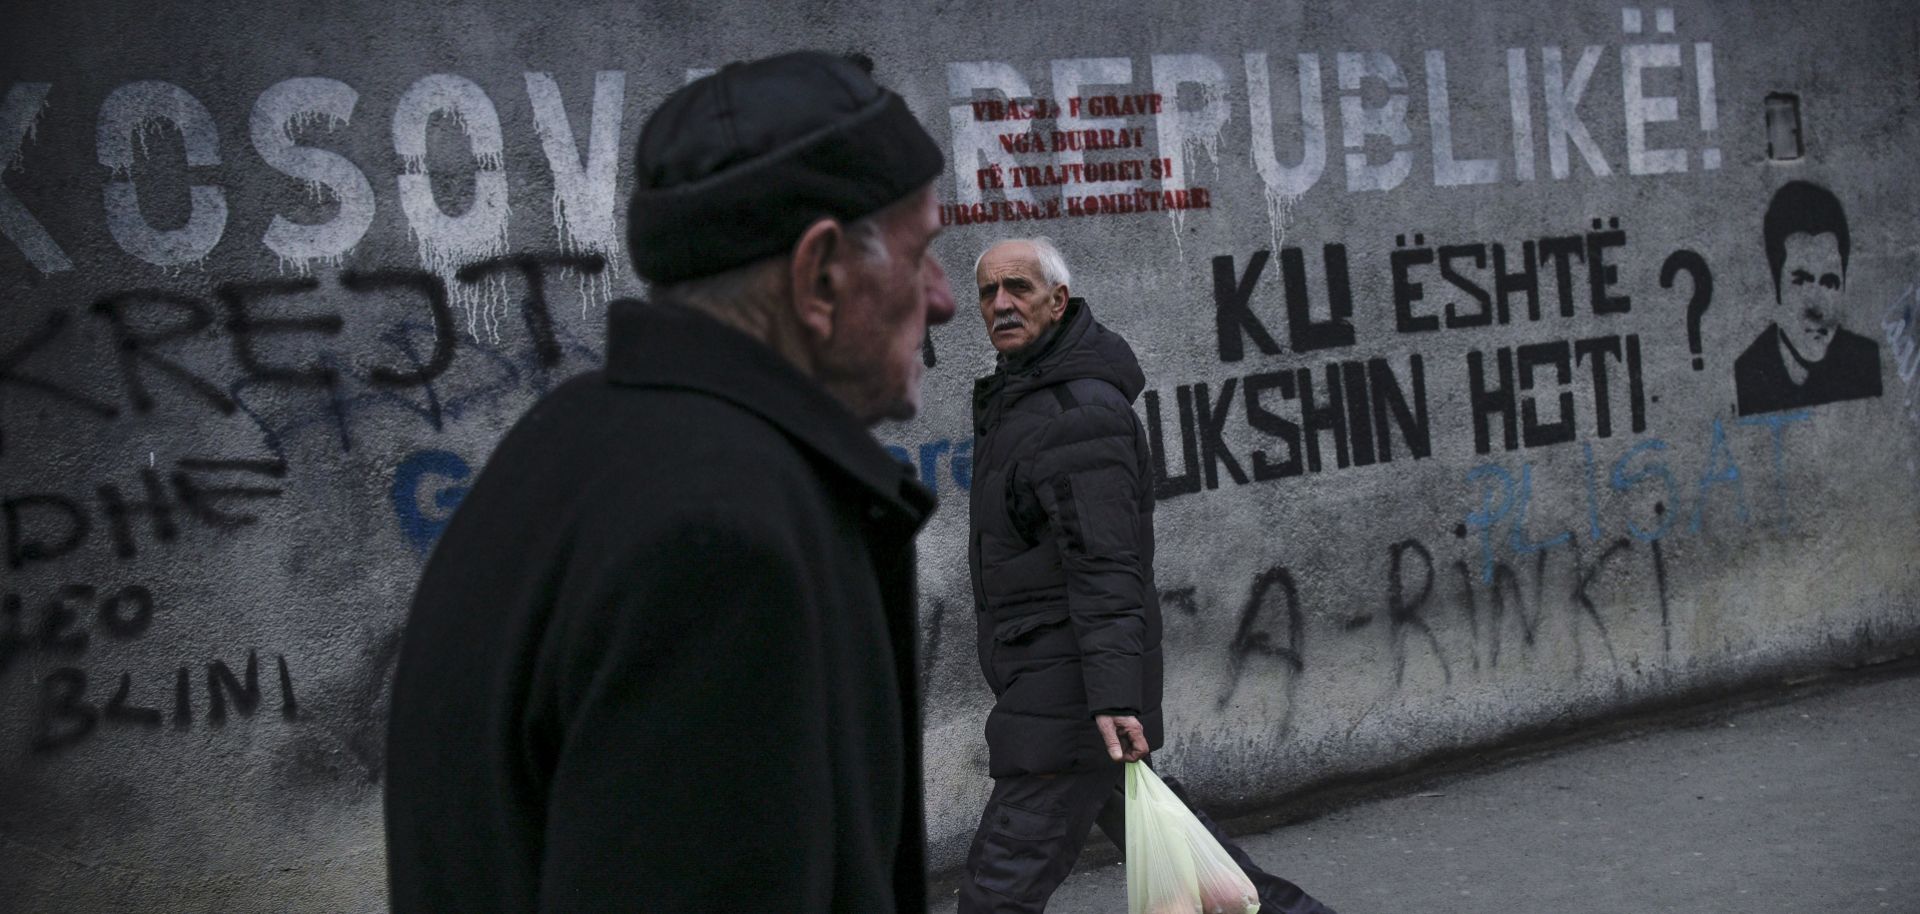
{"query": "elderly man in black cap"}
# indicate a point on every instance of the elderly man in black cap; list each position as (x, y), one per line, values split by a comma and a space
(662, 658)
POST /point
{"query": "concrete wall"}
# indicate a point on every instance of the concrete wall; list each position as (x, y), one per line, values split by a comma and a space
(232, 419)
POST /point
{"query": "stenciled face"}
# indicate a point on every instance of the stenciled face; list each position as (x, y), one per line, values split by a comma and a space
(1016, 301)
(1812, 280)
(875, 354)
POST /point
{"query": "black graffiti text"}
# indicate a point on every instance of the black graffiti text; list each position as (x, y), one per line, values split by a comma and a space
(64, 623)
(1339, 415)
(46, 526)
(1479, 284)
(1529, 391)
(276, 333)
(65, 715)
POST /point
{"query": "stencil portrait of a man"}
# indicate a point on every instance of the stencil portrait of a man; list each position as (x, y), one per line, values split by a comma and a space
(1806, 357)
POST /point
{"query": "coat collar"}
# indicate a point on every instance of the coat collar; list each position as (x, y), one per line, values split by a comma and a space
(1063, 335)
(1015, 372)
(668, 347)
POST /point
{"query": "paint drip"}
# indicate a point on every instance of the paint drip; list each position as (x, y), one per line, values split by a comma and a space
(480, 235)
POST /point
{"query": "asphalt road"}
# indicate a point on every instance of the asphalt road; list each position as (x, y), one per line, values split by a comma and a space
(1806, 800)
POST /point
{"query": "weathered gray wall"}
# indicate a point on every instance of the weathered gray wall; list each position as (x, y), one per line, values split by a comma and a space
(1381, 605)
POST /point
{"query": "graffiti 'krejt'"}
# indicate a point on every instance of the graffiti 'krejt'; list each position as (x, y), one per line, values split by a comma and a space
(1503, 496)
(143, 326)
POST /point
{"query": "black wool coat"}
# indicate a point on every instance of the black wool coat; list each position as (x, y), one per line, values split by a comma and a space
(1061, 511)
(663, 656)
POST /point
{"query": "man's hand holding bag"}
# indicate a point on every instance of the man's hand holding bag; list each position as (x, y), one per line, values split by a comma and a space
(1173, 865)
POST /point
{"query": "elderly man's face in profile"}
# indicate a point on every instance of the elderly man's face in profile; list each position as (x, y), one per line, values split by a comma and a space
(1812, 280)
(895, 297)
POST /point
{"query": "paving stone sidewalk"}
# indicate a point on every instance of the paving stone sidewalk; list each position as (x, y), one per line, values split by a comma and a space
(1804, 801)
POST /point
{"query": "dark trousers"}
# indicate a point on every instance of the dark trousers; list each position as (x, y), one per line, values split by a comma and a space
(1034, 827)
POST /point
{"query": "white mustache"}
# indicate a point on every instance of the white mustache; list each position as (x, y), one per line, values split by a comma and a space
(1008, 321)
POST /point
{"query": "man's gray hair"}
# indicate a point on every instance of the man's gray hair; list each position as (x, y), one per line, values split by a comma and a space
(756, 284)
(1053, 266)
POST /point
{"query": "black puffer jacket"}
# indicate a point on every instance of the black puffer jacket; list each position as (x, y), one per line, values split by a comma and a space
(1062, 549)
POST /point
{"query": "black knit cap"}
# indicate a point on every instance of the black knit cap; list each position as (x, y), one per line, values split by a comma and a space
(735, 165)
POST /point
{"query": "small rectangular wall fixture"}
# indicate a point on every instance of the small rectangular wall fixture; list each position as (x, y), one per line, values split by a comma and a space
(1783, 127)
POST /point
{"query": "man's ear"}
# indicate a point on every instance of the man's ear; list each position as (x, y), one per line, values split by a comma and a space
(817, 277)
(1057, 304)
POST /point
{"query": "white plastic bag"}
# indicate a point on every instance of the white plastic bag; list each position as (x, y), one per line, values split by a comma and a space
(1173, 865)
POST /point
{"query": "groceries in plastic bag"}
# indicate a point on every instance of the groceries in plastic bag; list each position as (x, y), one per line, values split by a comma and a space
(1174, 866)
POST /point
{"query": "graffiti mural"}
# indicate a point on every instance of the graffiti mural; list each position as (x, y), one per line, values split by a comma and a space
(1474, 404)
